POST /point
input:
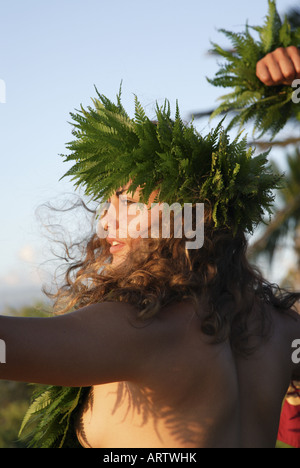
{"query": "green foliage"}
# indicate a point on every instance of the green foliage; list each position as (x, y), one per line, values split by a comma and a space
(286, 218)
(110, 148)
(269, 107)
(38, 309)
(14, 400)
(15, 396)
(52, 415)
(50, 411)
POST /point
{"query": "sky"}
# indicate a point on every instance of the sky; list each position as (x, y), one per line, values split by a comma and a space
(52, 55)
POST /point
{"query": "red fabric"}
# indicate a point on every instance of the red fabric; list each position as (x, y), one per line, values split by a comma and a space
(289, 427)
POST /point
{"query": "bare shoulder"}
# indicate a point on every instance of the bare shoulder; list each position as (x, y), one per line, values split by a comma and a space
(174, 334)
(123, 324)
(128, 318)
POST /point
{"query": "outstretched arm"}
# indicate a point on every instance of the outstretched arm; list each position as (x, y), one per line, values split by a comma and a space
(280, 67)
(94, 345)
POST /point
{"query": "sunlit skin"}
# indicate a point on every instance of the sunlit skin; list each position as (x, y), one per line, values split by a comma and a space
(127, 243)
(280, 67)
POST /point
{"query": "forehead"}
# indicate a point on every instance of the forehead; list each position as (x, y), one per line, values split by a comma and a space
(136, 195)
(124, 190)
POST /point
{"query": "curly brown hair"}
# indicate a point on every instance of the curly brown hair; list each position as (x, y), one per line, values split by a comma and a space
(217, 278)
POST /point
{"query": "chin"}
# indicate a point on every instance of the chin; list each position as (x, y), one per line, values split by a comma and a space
(118, 259)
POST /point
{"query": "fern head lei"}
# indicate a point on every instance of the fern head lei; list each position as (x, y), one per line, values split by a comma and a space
(172, 157)
(269, 107)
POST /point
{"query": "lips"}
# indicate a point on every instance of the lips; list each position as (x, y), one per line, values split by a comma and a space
(116, 245)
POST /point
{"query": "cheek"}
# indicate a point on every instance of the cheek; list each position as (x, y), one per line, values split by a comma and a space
(138, 224)
(134, 244)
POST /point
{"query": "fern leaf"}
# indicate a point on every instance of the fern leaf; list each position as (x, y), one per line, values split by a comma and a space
(270, 32)
(249, 97)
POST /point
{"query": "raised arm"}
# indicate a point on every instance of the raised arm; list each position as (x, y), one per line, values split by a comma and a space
(94, 345)
(280, 67)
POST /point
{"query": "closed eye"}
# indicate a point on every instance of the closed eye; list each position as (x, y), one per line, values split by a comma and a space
(125, 200)
(128, 202)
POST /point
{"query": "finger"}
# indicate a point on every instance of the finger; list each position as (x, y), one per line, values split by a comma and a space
(263, 74)
(294, 55)
(282, 60)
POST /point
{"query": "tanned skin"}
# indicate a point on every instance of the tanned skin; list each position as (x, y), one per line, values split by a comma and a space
(280, 67)
(161, 384)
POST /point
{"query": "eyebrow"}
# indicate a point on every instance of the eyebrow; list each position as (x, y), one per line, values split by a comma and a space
(118, 193)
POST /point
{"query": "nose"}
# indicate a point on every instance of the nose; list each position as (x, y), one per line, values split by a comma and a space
(108, 220)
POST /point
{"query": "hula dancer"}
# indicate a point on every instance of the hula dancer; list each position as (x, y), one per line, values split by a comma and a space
(166, 340)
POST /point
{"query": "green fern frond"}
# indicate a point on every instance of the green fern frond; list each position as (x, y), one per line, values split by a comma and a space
(268, 107)
(52, 415)
(173, 157)
(270, 32)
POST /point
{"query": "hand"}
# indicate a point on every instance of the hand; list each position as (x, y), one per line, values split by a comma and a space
(280, 67)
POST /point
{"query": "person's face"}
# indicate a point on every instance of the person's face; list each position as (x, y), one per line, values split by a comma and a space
(125, 225)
